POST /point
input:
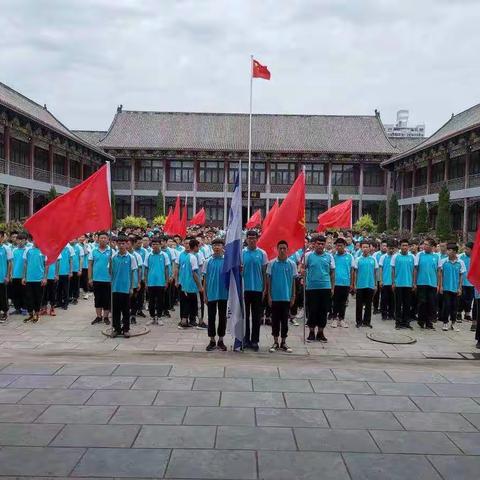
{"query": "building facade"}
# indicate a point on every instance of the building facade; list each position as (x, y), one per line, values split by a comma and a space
(196, 155)
(36, 152)
(450, 156)
(401, 129)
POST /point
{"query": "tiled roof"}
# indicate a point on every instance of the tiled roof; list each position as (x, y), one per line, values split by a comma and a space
(17, 102)
(457, 124)
(402, 144)
(229, 131)
(90, 136)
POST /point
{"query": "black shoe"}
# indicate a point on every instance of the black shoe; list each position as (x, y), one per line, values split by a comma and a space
(430, 327)
(369, 325)
(473, 328)
(166, 314)
(254, 347)
(376, 312)
(75, 301)
(106, 321)
(274, 347)
(421, 325)
(358, 325)
(468, 317)
(285, 348)
(65, 307)
(29, 318)
(321, 337)
(202, 326)
(96, 320)
(478, 345)
(311, 337)
(141, 314)
(211, 346)
(133, 320)
(384, 318)
(221, 346)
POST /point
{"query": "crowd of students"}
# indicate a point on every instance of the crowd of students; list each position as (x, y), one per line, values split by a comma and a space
(403, 281)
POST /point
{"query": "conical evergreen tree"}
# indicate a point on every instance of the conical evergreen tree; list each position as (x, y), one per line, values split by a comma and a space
(114, 208)
(159, 210)
(393, 214)
(382, 218)
(335, 198)
(421, 221)
(52, 194)
(444, 218)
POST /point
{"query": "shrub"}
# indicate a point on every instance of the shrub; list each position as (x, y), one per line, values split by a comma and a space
(365, 222)
(134, 222)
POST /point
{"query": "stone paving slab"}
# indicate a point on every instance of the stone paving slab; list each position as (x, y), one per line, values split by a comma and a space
(252, 399)
(238, 416)
(43, 381)
(223, 384)
(20, 413)
(163, 383)
(281, 385)
(456, 467)
(52, 396)
(389, 388)
(142, 370)
(122, 397)
(291, 417)
(13, 395)
(176, 436)
(447, 404)
(6, 380)
(134, 415)
(77, 414)
(434, 422)
(319, 401)
(27, 435)
(99, 382)
(189, 399)
(255, 438)
(340, 386)
(468, 443)
(89, 369)
(251, 371)
(382, 403)
(362, 420)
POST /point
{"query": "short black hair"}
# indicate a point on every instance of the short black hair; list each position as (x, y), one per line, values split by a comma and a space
(452, 246)
(193, 243)
(252, 233)
(404, 240)
(431, 242)
(122, 238)
(218, 241)
(156, 240)
(319, 238)
(340, 240)
(282, 242)
(103, 232)
(366, 241)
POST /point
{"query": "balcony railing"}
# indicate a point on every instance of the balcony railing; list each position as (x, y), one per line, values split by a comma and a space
(148, 185)
(374, 190)
(317, 188)
(41, 175)
(74, 182)
(186, 187)
(121, 185)
(456, 183)
(420, 190)
(346, 189)
(60, 179)
(436, 187)
(210, 187)
(3, 165)
(474, 180)
(20, 170)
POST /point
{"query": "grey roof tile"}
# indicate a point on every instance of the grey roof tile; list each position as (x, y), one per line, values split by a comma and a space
(90, 136)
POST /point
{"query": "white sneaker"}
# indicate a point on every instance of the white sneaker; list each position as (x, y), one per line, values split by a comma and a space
(85, 297)
(300, 313)
(160, 323)
(454, 327)
(343, 324)
(445, 327)
(334, 323)
(153, 321)
(294, 322)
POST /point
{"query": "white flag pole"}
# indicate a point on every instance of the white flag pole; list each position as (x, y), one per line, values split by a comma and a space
(250, 139)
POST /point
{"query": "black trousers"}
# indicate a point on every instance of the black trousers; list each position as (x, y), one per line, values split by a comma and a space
(403, 296)
(363, 314)
(253, 315)
(84, 280)
(413, 305)
(318, 306)
(387, 302)
(466, 300)
(121, 312)
(188, 306)
(212, 307)
(449, 307)
(340, 297)
(62, 290)
(74, 287)
(376, 297)
(427, 304)
(156, 298)
(168, 300)
(3, 298)
(102, 295)
(476, 318)
(140, 297)
(280, 312)
(49, 294)
(17, 293)
(298, 297)
(183, 300)
(133, 302)
(34, 292)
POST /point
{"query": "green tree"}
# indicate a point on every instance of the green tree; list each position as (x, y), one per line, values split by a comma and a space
(335, 198)
(444, 219)
(421, 220)
(159, 210)
(52, 194)
(382, 217)
(2, 206)
(393, 214)
(365, 222)
(113, 204)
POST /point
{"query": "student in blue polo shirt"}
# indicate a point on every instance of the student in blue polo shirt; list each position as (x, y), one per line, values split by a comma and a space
(468, 290)
(34, 279)
(156, 265)
(451, 271)
(387, 305)
(100, 279)
(376, 252)
(343, 282)
(254, 266)
(319, 285)
(216, 295)
(403, 265)
(5, 276)
(365, 268)
(169, 289)
(17, 289)
(123, 264)
(425, 281)
(141, 251)
(77, 260)
(281, 273)
(50, 290)
(64, 276)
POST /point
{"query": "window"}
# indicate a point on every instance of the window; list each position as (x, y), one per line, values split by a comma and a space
(473, 213)
(344, 175)
(87, 171)
(421, 176)
(2, 145)
(315, 173)
(19, 206)
(41, 159)
(257, 175)
(150, 171)
(20, 152)
(456, 167)
(474, 163)
(407, 180)
(282, 173)
(121, 170)
(211, 172)
(75, 169)
(313, 210)
(59, 164)
(181, 172)
(373, 176)
(213, 209)
(438, 172)
(122, 207)
(145, 207)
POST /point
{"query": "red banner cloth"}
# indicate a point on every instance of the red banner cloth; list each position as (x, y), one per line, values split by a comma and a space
(174, 220)
(270, 216)
(260, 71)
(339, 216)
(474, 272)
(84, 208)
(199, 218)
(255, 220)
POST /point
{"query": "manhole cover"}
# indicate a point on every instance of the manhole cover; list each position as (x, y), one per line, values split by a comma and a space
(135, 331)
(391, 337)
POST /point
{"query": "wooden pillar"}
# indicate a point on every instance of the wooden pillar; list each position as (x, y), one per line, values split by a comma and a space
(67, 168)
(164, 185)
(30, 202)
(267, 183)
(329, 184)
(429, 175)
(402, 183)
(225, 190)
(401, 218)
(196, 176)
(7, 148)
(467, 167)
(132, 187)
(50, 162)
(445, 172)
(413, 182)
(81, 169)
(360, 191)
(31, 155)
(412, 217)
(7, 203)
(465, 219)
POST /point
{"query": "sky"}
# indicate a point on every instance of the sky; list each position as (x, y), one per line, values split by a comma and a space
(83, 58)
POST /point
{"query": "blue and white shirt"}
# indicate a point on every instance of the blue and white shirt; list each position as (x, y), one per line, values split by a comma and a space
(318, 267)
(281, 274)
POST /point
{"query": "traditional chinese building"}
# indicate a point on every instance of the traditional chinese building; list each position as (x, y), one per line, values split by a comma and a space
(36, 152)
(452, 156)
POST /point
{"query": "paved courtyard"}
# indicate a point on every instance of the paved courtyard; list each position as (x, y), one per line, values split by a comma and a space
(74, 403)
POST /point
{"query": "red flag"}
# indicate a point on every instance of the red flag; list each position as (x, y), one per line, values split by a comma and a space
(168, 220)
(474, 271)
(199, 218)
(270, 216)
(183, 222)
(85, 208)
(339, 216)
(255, 219)
(289, 222)
(260, 71)
(174, 219)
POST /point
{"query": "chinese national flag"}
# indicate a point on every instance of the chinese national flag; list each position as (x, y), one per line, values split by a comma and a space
(270, 216)
(288, 223)
(260, 71)
(199, 218)
(173, 220)
(339, 216)
(474, 271)
(168, 220)
(84, 208)
(254, 220)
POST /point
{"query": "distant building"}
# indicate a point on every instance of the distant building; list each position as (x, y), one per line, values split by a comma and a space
(401, 129)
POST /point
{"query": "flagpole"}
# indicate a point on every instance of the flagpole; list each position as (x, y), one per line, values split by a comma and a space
(250, 139)
(304, 283)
